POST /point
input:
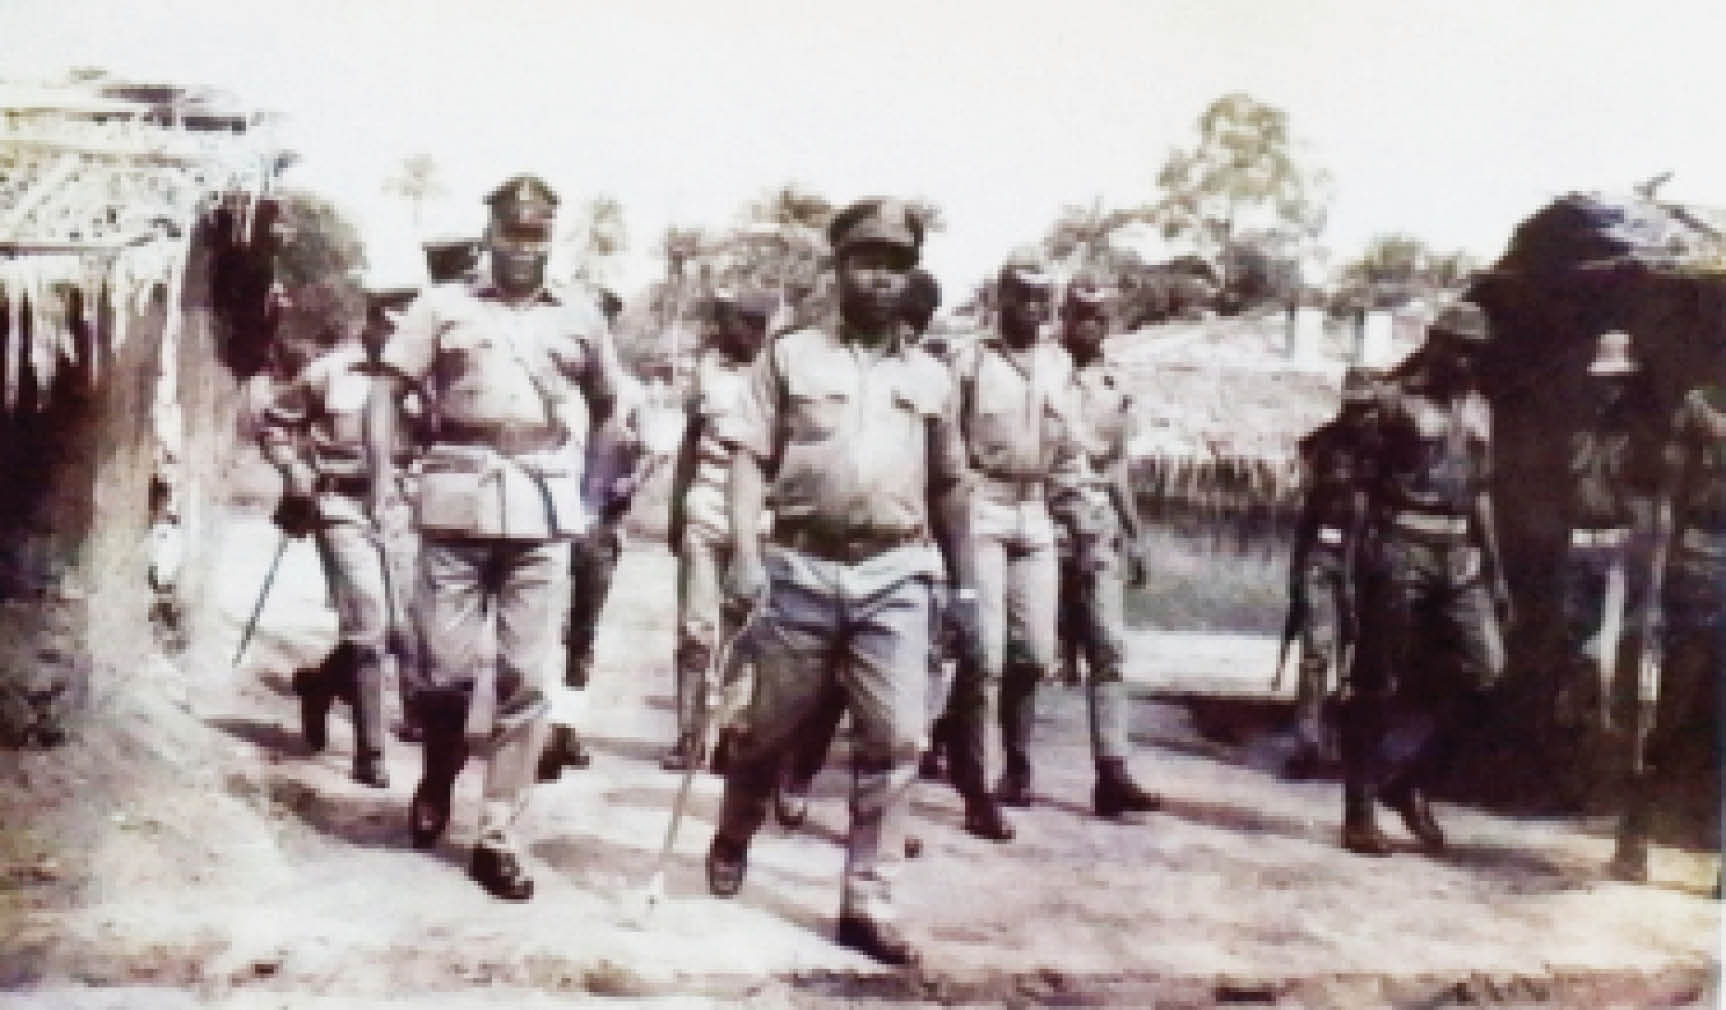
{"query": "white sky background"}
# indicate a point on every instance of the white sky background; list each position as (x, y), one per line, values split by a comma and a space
(1451, 121)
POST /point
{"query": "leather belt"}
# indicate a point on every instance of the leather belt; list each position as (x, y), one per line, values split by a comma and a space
(343, 484)
(1611, 537)
(1432, 524)
(1330, 536)
(1008, 489)
(509, 439)
(846, 546)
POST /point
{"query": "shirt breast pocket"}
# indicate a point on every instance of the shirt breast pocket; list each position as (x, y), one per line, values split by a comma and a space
(814, 413)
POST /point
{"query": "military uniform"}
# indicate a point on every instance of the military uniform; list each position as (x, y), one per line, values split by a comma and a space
(1431, 638)
(854, 433)
(318, 419)
(1691, 537)
(513, 379)
(1016, 432)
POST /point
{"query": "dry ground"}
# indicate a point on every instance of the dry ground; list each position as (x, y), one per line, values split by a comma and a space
(215, 861)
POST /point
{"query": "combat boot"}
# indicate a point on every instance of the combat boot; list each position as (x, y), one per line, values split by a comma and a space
(500, 873)
(1630, 857)
(983, 818)
(369, 770)
(1360, 833)
(562, 750)
(1411, 804)
(874, 938)
(1014, 789)
(726, 864)
(1116, 793)
(318, 687)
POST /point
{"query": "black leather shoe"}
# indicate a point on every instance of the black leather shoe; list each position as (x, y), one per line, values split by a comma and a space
(562, 751)
(369, 771)
(1117, 794)
(1014, 789)
(1305, 764)
(428, 813)
(575, 753)
(1411, 805)
(879, 940)
(315, 700)
(983, 819)
(683, 755)
(1365, 839)
(726, 865)
(500, 873)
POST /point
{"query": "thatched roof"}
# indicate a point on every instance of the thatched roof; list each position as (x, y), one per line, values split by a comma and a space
(1591, 231)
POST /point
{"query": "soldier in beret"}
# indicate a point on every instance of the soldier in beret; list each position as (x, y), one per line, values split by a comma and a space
(1433, 588)
(514, 376)
(857, 434)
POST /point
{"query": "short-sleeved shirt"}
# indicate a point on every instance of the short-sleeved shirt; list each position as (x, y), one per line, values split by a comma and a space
(1612, 468)
(1016, 409)
(721, 385)
(1697, 453)
(485, 360)
(853, 438)
(1334, 463)
(1102, 412)
(323, 409)
(1430, 455)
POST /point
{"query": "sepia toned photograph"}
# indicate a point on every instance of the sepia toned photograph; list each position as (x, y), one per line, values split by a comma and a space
(1177, 503)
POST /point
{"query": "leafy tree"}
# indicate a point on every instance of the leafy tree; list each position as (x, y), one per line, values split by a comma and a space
(317, 260)
(1240, 186)
(593, 235)
(417, 182)
(1395, 267)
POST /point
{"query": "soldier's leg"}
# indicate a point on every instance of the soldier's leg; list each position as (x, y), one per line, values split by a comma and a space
(1582, 583)
(1072, 624)
(885, 679)
(974, 703)
(1387, 624)
(451, 623)
(699, 604)
(592, 560)
(1103, 626)
(357, 581)
(792, 639)
(1321, 581)
(1032, 582)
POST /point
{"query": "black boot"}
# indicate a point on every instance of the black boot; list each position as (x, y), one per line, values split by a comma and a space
(444, 717)
(500, 873)
(562, 750)
(369, 770)
(1014, 789)
(318, 687)
(1360, 833)
(1411, 804)
(727, 862)
(984, 819)
(1630, 857)
(1116, 792)
(879, 940)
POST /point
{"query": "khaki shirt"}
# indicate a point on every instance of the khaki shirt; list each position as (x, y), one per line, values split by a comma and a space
(1431, 455)
(850, 440)
(1697, 453)
(1102, 410)
(1612, 471)
(1016, 418)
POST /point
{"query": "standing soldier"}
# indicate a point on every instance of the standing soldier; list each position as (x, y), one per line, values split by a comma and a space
(1322, 599)
(513, 375)
(1433, 590)
(1013, 395)
(314, 434)
(1687, 595)
(859, 434)
(700, 529)
(1092, 499)
(617, 465)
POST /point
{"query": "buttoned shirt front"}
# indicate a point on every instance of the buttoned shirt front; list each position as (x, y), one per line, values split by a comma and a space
(852, 436)
(1017, 408)
(1102, 409)
(1431, 454)
(1611, 470)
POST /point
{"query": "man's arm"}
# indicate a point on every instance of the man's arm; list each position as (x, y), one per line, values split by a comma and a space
(682, 476)
(387, 391)
(283, 441)
(754, 437)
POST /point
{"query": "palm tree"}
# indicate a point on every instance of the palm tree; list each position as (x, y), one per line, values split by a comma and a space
(417, 182)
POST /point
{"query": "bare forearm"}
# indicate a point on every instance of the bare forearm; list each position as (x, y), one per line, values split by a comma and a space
(951, 521)
(746, 495)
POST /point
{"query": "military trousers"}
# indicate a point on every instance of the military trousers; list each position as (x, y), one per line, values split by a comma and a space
(1092, 590)
(490, 613)
(353, 563)
(860, 631)
(1431, 649)
(1686, 729)
(703, 554)
(592, 563)
(1017, 576)
(1602, 593)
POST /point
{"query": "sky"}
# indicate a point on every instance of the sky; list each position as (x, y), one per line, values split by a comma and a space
(1449, 121)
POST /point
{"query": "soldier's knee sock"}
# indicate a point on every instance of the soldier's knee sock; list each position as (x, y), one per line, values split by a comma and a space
(443, 715)
(1018, 714)
(1361, 735)
(749, 783)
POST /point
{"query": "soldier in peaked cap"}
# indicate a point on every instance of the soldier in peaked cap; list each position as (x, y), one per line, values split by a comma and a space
(857, 431)
(1433, 584)
(515, 375)
(1322, 597)
(1091, 498)
(1014, 391)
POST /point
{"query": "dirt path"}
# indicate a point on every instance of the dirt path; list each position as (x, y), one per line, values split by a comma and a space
(261, 876)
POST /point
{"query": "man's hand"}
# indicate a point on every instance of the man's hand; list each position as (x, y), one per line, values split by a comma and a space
(296, 514)
(964, 623)
(746, 579)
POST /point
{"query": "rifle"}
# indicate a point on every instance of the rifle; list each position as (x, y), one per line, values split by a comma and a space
(263, 594)
(1292, 625)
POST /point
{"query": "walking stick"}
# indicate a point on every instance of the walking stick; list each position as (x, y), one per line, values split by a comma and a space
(263, 594)
(653, 892)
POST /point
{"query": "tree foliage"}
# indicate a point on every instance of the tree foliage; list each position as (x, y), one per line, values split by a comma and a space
(417, 182)
(1395, 267)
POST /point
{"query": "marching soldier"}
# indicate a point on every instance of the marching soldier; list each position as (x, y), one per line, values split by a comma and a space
(617, 466)
(513, 375)
(858, 433)
(1322, 599)
(1686, 618)
(1093, 501)
(313, 433)
(700, 529)
(1013, 390)
(1433, 589)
